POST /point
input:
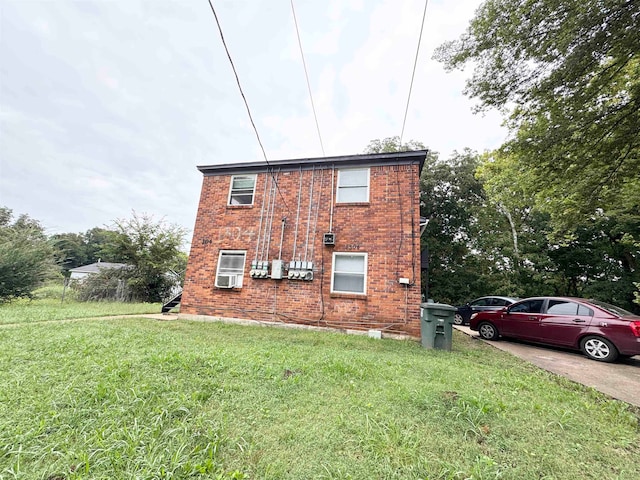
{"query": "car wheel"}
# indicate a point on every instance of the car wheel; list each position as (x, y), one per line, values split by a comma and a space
(457, 319)
(488, 331)
(600, 349)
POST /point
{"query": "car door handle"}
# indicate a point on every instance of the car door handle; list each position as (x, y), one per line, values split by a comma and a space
(578, 320)
(533, 318)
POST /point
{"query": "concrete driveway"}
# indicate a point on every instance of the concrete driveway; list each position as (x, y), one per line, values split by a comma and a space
(619, 380)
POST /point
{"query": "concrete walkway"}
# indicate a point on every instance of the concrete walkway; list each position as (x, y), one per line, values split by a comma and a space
(619, 380)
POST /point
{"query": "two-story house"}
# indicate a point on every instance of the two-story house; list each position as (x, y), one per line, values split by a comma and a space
(328, 241)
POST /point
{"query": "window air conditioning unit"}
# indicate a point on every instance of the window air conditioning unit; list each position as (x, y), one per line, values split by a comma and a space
(226, 281)
(329, 239)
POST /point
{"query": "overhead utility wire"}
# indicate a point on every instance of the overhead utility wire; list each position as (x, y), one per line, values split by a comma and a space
(413, 74)
(246, 104)
(304, 64)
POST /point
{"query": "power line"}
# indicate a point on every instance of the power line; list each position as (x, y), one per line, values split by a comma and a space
(413, 74)
(246, 104)
(304, 64)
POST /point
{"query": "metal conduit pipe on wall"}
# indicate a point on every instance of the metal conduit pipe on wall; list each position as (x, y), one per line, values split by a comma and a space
(306, 242)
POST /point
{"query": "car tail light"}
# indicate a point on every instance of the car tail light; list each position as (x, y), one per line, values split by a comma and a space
(635, 328)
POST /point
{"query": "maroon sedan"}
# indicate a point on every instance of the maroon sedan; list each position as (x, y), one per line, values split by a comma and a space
(603, 332)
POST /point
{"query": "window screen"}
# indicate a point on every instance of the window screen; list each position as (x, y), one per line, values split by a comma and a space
(353, 185)
(349, 273)
(242, 188)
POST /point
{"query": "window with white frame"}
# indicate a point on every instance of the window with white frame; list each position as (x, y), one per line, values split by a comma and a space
(242, 189)
(349, 273)
(230, 268)
(353, 185)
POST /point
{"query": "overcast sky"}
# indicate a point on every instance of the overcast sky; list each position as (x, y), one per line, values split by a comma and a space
(107, 106)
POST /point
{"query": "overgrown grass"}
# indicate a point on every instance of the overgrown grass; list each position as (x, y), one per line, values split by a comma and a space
(150, 399)
(47, 308)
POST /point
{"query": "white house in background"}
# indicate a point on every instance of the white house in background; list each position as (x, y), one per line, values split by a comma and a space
(79, 273)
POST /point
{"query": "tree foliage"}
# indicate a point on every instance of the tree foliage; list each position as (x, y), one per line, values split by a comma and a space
(152, 248)
(599, 260)
(392, 144)
(26, 258)
(568, 73)
(486, 234)
(76, 249)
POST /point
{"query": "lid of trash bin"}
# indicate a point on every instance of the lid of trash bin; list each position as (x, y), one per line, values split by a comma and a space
(437, 306)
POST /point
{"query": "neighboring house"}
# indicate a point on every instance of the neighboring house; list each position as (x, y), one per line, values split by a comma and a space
(79, 273)
(329, 241)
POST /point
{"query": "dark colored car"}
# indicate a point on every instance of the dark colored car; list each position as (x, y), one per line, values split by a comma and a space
(464, 312)
(603, 332)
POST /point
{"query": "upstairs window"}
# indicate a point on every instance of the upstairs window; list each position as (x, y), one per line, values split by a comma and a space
(242, 189)
(353, 185)
(230, 269)
(349, 273)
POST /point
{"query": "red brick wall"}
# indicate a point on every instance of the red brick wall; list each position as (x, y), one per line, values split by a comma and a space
(386, 228)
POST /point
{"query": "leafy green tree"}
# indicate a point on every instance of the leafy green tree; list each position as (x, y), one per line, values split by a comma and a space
(452, 198)
(152, 248)
(70, 250)
(96, 243)
(76, 249)
(599, 260)
(26, 257)
(392, 144)
(568, 74)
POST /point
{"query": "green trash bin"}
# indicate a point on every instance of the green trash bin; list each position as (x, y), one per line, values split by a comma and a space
(436, 320)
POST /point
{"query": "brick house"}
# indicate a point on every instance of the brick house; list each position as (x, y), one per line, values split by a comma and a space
(328, 241)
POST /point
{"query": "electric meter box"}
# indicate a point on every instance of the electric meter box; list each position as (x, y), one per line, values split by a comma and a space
(277, 269)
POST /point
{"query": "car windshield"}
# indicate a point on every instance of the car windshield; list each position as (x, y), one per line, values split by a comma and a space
(617, 311)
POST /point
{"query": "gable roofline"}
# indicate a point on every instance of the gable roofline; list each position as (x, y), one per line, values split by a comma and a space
(343, 161)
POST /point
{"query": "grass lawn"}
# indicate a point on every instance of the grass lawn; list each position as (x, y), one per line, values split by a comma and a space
(140, 398)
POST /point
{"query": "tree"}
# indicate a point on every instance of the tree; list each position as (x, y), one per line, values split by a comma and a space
(70, 250)
(453, 200)
(26, 258)
(152, 248)
(96, 241)
(568, 74)
(599, 260)
(76, 249)
(392, 144)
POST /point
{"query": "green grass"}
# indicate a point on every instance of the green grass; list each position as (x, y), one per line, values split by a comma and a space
(140, 398)
(46, 309)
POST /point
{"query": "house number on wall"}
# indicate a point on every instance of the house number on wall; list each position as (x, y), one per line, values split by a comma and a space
(207, 241)
(352, 246)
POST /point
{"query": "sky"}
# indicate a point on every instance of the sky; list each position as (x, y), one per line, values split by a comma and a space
(108, 106)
